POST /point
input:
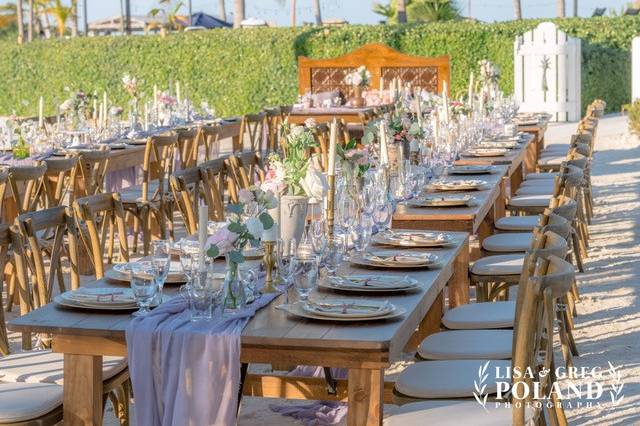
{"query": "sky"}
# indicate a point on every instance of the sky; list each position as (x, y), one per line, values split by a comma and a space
(354, 11)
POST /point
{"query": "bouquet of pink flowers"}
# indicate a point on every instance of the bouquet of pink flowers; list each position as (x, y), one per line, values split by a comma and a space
(130, 84)
(247, 221)
(459, 108)
(354, 157)
(359, 77)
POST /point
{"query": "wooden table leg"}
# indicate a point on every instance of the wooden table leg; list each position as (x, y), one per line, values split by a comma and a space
(515, 180)
(459, 281)
(365, 390)
(430, 324)
(531, 157)
(82, 404)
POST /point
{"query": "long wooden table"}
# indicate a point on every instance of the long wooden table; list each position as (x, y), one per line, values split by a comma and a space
(321, 115)
(477, 219)
(272, 336)
(538, 131)
(515, 159)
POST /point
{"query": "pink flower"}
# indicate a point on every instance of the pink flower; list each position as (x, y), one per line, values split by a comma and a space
(245, 196)
(223, 239)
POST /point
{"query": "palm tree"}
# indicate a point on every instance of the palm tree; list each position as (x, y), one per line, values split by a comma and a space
(61, 13)
(30, 22)
(386, 10)
(74, 18)
(517, 7)
(561, 8)
(222, 12)
(238, 13)
(433, 10)
(316, 12)
(401, 8)
(20, 21)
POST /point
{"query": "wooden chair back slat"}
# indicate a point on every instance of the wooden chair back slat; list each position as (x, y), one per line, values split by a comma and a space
(243, 170)
(59, 181)
(5, 244)
(158, 164)
(24, 182)
(189, 141)
(211, 140)
(251, 127)
(92, 166)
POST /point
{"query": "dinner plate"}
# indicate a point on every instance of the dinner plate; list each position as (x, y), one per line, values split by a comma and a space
(119, 272)
(458, 185)
(348, 308)
(68, 303)
(498, 145)
(135, 141)
(111, 296)
(411, 238)
(472, 169)
(369, 283)
(297, 309)
(386, 260)
(444, 201)
(485, 152)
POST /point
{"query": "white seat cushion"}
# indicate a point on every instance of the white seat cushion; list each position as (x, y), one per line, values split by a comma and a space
(451, 413)
(448, 379)
(538, 183)
(531, 200)
(47, 367)
(503, 264)
(536, 189)
(467, 344)
(475, 316)
(535, 176)
(508, 242)
(552, 160)
(25, 401)
(517, 223)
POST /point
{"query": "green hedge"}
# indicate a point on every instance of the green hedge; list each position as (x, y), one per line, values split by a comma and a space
(241, 71)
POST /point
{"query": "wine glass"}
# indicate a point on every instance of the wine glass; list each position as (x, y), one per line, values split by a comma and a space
(161, 261)
(189, 251)
(144, 286)
(382, 216)
(285, 252)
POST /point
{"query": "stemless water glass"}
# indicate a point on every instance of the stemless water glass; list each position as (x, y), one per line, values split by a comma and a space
(305, 275)
(285, 251)
(144, 287)
(189, 251)
(336, 247)
(382, 216)
(200, 297)
(161, 261)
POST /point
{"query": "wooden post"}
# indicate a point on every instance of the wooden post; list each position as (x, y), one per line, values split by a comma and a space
(82, 404)
(366, 389)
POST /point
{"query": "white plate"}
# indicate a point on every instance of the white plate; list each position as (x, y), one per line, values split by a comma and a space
(109, 296)
(119, 272)
(358, 283)
(411, 238)
(430, 261)
(498, 145)
(348, 308)
(445, 201)
(458, 185)
(485, 152)
(471, 169)
(297, 310)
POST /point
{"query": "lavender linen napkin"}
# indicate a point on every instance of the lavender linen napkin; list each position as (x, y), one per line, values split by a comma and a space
(183, 372)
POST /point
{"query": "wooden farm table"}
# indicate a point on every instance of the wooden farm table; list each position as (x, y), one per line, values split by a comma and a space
(321, 115)
(477, 219)
(537, 130)
(514, 159)
(272, 336)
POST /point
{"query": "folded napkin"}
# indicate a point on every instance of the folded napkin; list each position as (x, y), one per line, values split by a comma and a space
(183, 372)
(355, 307)
(397, 259)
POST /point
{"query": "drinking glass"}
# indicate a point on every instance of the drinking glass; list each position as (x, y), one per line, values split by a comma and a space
(336, 247)
(189, 251)
(382, 216)
(285, 251)
(161, 261)
(361, 234)
(200, 297)
(305, 275)
(248, 274)
(145, 288)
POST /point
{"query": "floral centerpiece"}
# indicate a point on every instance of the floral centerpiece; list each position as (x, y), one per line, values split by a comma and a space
(130, 85)
(20, 150)
(166, 104)
(356, 160)
(296, 178)
(76, 105)
(459, 108)
(489, 77)
(247, 221)
(358, 80)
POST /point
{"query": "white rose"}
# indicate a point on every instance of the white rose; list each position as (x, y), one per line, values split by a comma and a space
(314, 184)
(255, 227)
(66, 105)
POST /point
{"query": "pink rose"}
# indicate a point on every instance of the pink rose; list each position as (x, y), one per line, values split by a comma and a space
(223, 239)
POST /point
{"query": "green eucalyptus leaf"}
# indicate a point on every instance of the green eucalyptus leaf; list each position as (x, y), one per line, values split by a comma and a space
(236, 227)
(236, 256)
(213, 251)
(267, 220)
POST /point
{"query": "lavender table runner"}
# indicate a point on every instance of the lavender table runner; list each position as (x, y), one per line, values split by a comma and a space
(183, 372)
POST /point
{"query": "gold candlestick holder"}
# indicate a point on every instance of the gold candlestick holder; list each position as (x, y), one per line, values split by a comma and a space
(331, 204)
(268, 262)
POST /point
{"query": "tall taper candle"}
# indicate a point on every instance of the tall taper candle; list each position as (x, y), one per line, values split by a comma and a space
(333, 136)
(105, 108)
(470, 94)
(203, 220)
(178, 97)
(384, 153)
(95, 111)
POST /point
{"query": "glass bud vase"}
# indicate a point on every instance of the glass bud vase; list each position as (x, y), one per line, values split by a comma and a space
(234, 295)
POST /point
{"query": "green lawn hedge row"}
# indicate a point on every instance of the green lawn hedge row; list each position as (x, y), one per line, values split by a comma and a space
(242, 71)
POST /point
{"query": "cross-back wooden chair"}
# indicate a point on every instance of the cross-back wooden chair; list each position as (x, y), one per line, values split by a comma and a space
(92, 169)
(4, 179)
(243, 171)
(98, 218)
(151, 202)
(272, 122)
(59, 181)
(30, 255)
(285, 112)
(36, 289)
(251, 128)
(194, 186)
(321, 135)
(189, 142)
(23, 182)
(546, 280)
(5, 246)
(211, 140)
